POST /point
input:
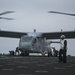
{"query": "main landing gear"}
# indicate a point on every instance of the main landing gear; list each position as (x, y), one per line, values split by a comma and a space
(25, 53)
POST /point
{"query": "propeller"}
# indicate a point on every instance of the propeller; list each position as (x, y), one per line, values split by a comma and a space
(6, 12)
(6, 18)
(61, 13)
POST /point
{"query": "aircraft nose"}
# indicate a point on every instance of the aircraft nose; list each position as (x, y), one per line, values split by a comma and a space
(26, 45)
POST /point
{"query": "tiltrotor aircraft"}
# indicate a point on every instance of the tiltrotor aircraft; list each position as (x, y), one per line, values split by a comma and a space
(36, 42)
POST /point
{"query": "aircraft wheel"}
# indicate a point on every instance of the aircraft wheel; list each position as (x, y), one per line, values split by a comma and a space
(49, 54)
(22, 54)
(26, 54)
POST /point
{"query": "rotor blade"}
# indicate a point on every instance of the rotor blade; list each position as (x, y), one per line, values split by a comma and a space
(6, 18)
(6, 12)
(61, 13)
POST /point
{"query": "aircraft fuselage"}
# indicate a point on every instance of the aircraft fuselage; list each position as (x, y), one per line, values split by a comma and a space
(34, 44)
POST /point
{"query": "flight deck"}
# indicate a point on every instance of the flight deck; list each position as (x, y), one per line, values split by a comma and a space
(36, 66)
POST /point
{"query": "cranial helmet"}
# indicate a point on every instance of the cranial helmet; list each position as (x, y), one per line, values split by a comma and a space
(62, 36)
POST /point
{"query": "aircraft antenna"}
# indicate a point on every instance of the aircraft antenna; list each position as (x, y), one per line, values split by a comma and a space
(34, 30)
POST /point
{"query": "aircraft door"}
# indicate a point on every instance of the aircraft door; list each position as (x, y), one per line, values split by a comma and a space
(35, 43)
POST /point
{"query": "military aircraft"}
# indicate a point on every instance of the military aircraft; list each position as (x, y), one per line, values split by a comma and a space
(36, 42)
(6, 12)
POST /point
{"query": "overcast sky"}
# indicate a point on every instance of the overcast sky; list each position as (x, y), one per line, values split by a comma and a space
(33, 14)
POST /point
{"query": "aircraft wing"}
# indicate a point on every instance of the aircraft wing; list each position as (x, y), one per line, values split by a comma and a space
(48, 35)
(11, 34)
(56, 35)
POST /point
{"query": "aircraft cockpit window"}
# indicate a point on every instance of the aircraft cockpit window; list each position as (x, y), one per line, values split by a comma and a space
(26, 39)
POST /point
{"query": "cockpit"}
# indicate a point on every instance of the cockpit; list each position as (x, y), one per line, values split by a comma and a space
(26, 39)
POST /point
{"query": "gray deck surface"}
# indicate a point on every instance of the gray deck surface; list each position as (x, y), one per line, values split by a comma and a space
(36, 66)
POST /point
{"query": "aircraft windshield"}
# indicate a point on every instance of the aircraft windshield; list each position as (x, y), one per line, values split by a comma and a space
(26, 39)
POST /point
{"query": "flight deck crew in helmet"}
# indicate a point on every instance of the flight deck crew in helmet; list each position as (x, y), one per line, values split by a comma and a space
(63, 49)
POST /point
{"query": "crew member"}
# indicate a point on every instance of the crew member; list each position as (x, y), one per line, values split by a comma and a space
(63, 49)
